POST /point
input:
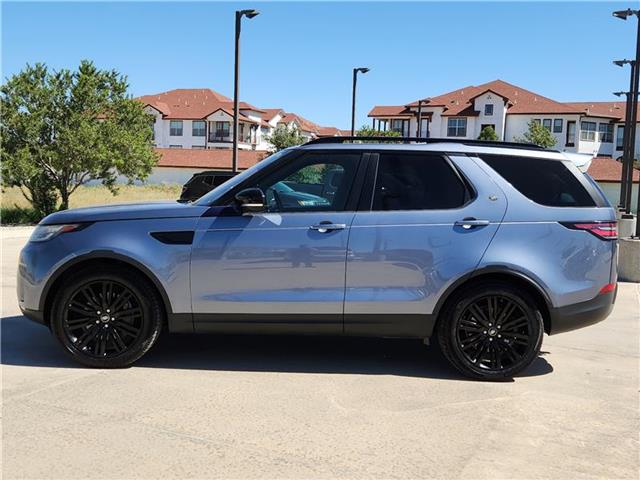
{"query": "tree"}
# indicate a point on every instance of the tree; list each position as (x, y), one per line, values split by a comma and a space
(488, 134)
(367, 131)
(284, 137)
(538, 135)
(61, 129)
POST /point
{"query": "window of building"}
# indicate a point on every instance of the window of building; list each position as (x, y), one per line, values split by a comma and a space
(398, 125)
(546, 123)
(222, 129)
(175, 128)
(417, 182)
(198, 128)
(605, 132)
(547, 182)
(457, 127)
(175, 146)
(557, 125)
(488, 109)
(571, 134)
(620, 138)
(588, 131)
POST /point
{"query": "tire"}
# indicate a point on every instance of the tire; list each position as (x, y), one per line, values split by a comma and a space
(490, 331)
(107, 317)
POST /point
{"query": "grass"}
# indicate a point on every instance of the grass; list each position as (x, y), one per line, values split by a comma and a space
(15, 209)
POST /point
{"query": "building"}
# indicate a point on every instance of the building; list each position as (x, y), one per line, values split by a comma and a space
(607, 172)
(596, 128)
(201, 119)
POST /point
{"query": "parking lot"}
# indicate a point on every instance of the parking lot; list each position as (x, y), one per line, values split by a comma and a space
(270, 407)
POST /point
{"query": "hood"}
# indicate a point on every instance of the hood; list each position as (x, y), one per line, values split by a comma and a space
(130, 211)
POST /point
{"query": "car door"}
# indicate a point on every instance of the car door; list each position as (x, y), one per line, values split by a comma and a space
(426, 223)
(282, 270)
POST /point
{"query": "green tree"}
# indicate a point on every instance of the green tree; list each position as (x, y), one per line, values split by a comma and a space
(488, 134)
(61, 129)
(538, 135)
(284, 137)
(367, 131)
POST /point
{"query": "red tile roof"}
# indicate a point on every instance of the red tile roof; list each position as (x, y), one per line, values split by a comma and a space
(519, 101)
(209, 159)
(604, 169)
(270, 113)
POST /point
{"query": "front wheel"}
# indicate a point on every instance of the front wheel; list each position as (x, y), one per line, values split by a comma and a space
(107, 318)
(491, 331)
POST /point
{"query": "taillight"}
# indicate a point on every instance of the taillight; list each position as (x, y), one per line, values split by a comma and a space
(602, 230)
(608, 288)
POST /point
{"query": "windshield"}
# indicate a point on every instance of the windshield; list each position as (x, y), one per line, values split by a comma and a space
(217, 192)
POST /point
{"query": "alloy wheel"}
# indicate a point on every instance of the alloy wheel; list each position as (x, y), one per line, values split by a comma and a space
(494, 333)
(103, 319)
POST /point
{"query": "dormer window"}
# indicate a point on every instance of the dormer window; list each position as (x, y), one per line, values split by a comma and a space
(488, 109)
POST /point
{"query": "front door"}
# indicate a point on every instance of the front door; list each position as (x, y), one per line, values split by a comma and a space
(428, 223)
(282, 270)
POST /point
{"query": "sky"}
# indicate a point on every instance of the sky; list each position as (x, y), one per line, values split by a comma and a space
(299, 56)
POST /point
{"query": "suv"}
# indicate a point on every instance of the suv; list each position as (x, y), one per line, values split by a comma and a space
(483, 246)
(203, 182)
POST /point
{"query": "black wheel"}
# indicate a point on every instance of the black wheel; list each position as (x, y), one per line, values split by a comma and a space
(107, 318)
(491, 331)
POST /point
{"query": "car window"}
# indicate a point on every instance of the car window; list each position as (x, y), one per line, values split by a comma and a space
(208, 180)
(417, 182)
(314, 182)
(547, 182)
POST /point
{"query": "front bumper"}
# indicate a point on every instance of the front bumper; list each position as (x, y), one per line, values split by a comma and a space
(35, 315)
(583, 314)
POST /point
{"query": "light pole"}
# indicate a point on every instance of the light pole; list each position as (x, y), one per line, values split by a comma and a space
(236, 81)
(627, 151)
(353, 98)
(635, 78)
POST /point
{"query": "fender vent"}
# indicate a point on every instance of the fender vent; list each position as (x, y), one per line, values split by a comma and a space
(174, 238)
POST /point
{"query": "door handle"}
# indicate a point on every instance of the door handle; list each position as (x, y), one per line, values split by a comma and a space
(470, 222)
(324, 227)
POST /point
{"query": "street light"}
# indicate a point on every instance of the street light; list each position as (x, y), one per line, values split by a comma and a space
(353, 99)
(627, 150)
(239, 14)
(630, 123)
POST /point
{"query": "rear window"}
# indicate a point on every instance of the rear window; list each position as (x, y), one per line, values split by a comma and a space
(547, 182)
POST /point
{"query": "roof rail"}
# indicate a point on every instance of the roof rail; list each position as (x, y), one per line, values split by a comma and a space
(478, 143)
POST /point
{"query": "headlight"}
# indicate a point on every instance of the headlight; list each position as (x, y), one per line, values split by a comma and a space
(42, 233)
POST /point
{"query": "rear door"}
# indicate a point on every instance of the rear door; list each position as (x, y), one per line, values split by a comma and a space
(427, 221)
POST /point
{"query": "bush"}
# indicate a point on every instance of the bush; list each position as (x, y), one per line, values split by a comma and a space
(19, 216)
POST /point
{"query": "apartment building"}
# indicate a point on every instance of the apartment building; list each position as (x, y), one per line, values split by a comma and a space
(595, 128)
(203, 119)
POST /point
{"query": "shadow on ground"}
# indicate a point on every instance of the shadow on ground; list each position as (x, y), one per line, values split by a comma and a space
(25, 343)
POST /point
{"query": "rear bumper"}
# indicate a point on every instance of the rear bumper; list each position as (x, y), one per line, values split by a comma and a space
(583, 314)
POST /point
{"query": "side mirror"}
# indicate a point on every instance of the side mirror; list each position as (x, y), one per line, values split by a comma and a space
(251, 200)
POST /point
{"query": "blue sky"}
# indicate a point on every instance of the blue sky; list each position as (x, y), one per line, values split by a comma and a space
(299, 55)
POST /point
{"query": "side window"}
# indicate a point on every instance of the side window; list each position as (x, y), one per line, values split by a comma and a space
(547, 182)
(314, 182)
(417, 182)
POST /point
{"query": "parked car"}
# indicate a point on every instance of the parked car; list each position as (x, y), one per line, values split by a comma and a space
(482, 246)
(203, 182)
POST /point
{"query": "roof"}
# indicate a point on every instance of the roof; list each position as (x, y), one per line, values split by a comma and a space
(270, 113)
(615, 110)
(220, 159)
(192, 103)
(519, 101)
(604, 169)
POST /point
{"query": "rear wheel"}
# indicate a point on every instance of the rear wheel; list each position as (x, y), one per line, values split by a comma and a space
(107, 318)
(491, 331)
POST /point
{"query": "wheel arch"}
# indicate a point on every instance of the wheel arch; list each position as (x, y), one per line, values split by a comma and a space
(97, 258)
(500, 273)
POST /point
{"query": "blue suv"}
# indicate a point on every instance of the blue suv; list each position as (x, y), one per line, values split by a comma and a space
(482, 246)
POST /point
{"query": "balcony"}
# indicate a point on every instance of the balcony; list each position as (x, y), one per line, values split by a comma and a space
(220, 137)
